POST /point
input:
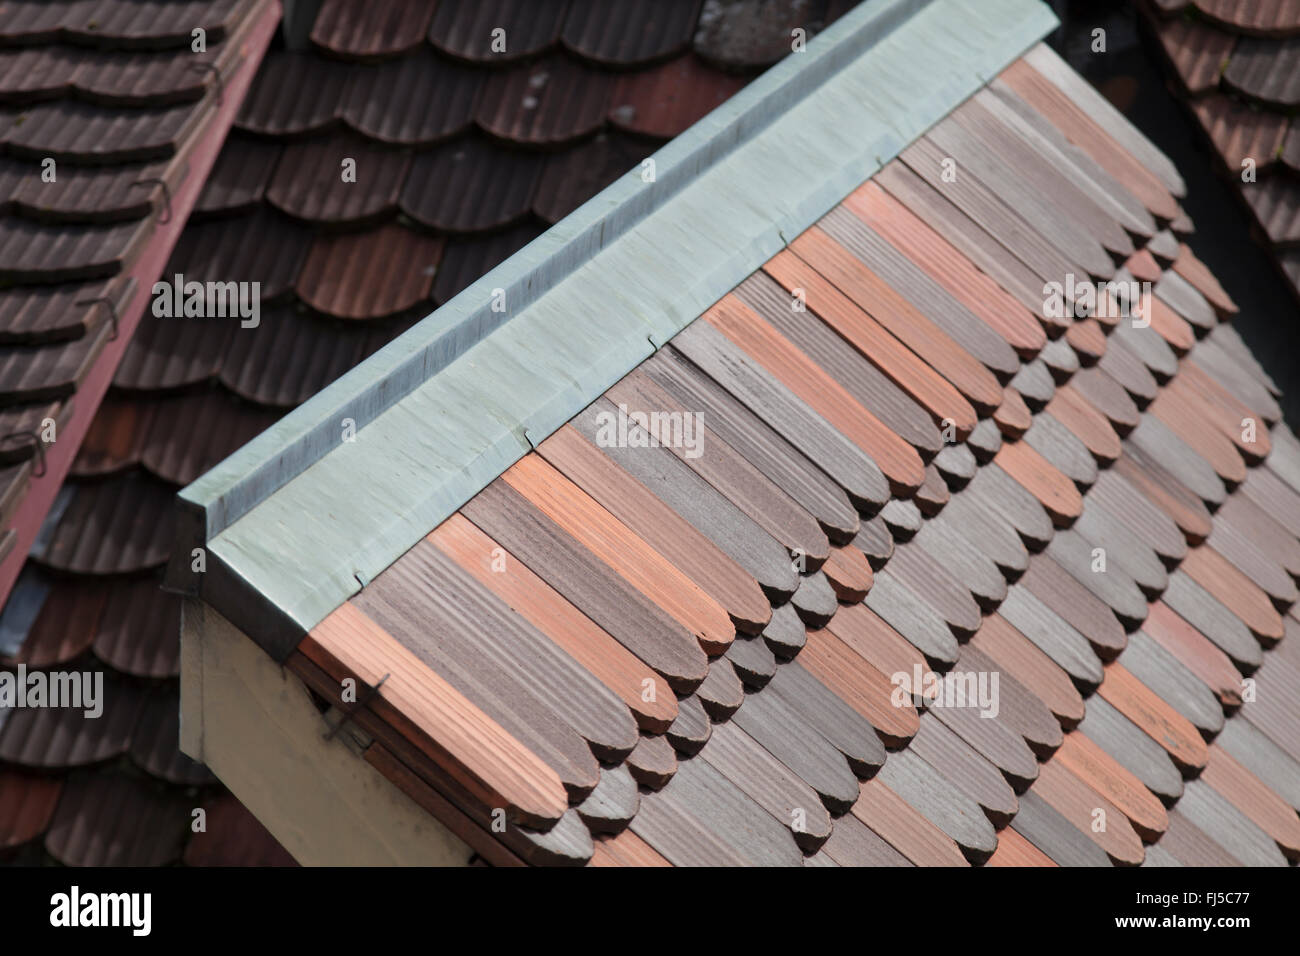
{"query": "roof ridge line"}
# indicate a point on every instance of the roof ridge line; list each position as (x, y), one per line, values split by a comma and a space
(229, 493)
(598, 290)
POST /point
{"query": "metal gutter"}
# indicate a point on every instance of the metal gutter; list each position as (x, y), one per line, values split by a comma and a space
(302, 517)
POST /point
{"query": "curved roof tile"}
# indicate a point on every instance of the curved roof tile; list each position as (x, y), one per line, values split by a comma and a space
(574, 176)
(64, 737)
(415, 101)
(27, 803)
(339, 180)
(368, 275)
(376, 29)
(471, 185)
(664, 101)
(466, 30)
(548, 103)
(220, 251)
(1266, 70)
(112, 819)
(293, 94)
(629, 34)
(137, 632)
(154, 744)
(238, 181)
(168, 353)
(290, 357)
(120, 525)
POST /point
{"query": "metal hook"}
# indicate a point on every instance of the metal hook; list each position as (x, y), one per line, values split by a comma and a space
(37, 445)
(167, 196)
(112, 311)
(215, 71)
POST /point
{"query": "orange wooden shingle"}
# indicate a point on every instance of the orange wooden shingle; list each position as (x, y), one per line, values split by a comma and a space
(548, 611)
(895, 457)
(1088, 340)
(849, 574)
(942, 262)
(574, 511)
(1088, 425)
(1238, 593)
(1162, 723)
(1082, 130)
(859, 685)
(625, 849)
(1175, 500)
(904, 828)
(1014, 850)
(1040, 478)
(1143, 266)
(1196, 652)
(1012, 417)
(900, 317)
(1222, 409)
(1028, 664)
(1171, 326)
(1084, 807)
(666, 531)
(873, 341)
(1104, 774)
(726, 468)
(1203, 280)
(1186, 420)
(491, 764)
(878, 644)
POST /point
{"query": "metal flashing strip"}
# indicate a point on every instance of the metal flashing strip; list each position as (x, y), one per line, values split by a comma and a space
(307, 513)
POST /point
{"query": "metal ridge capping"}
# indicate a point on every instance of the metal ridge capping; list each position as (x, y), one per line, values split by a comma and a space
(303, 516)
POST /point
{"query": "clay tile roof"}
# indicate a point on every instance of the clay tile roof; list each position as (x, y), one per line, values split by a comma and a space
(371, 31)
(664, 101)
(115, 526)
(418, 100)
(1236, 63)
(114, 819)
(29, 804)
(774, 678)
(239, 179)
(548, 103)
(634, 34)
(465, 32)
(943, 460)
(445, 190)
(369, 275)
(471, 185)
(107, 113)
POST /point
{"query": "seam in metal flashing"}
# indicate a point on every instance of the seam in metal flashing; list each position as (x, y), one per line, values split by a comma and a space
(297, 517)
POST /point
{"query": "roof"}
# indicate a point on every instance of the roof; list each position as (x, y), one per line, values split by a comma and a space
(1236, 64)
(657, 649)
(110, 116)
(133, 117)
(186, 393)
